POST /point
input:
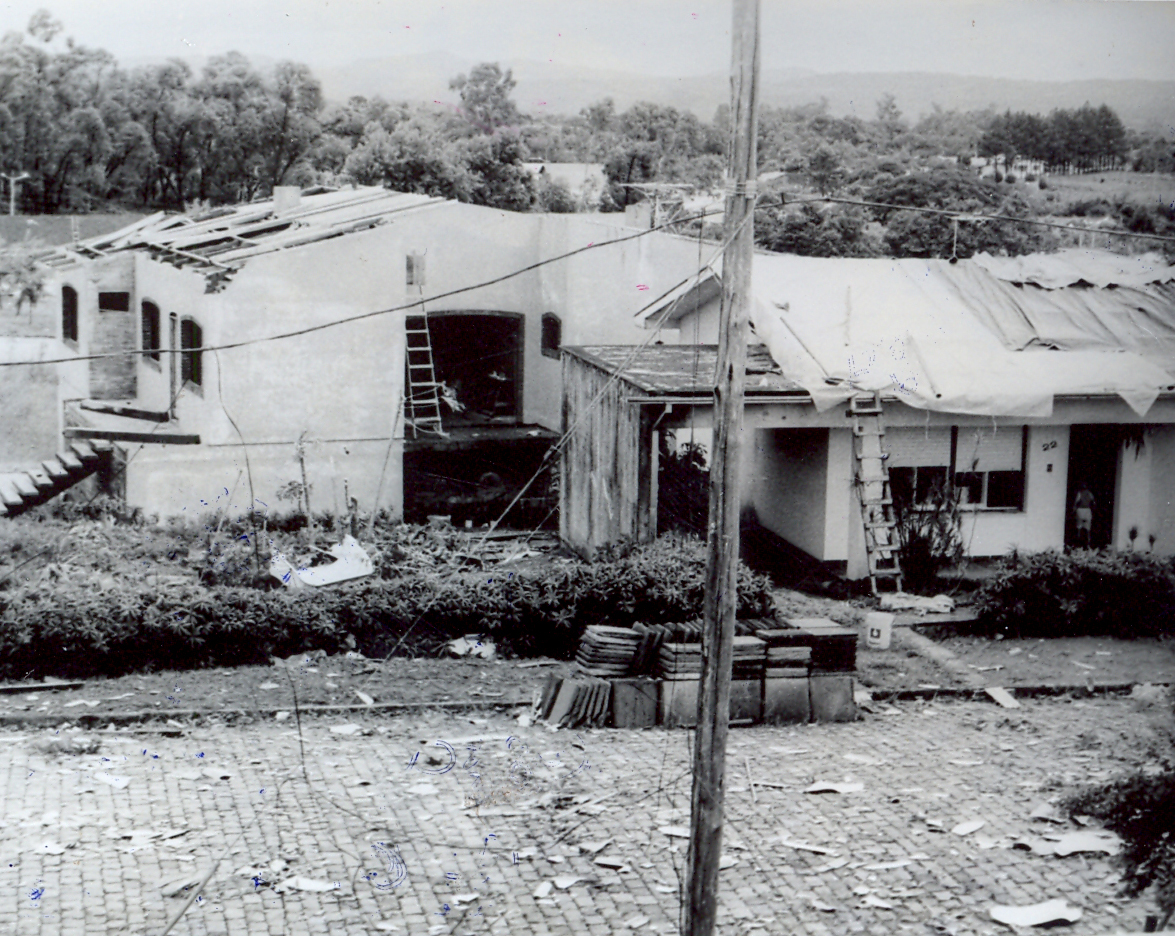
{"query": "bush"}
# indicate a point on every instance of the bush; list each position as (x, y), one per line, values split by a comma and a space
(1010, 178)
(1051, 594)
(1141, 809)
(1043, 183)
(77, 630)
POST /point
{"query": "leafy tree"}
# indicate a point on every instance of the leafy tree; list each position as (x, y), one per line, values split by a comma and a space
(485, 97)
(812, 232)
(554, 196)
(825, 170)
(499, 179)
(411, 158)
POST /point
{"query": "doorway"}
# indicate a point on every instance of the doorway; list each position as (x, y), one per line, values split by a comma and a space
(1093, 459)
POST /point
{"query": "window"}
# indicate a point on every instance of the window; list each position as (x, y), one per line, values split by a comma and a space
(986, 465)
(69, 314)
(414, 268)
(993, 467)
(151, 338)
(114, 302)
(191, 340)
(552, 334)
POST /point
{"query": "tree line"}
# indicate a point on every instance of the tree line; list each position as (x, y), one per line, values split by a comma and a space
(1086, 139)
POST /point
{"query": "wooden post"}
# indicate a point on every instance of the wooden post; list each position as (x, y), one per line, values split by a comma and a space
(721, 599)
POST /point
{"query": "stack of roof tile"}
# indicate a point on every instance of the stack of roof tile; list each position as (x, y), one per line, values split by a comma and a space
(608, 651)
(750, 655)
(575, 702)
(680, 661)
(834, 647)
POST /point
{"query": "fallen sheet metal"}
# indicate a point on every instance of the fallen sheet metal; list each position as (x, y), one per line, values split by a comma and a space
(822, 787)
(1072, 843)
(1002, 696)
(1041, 914)
(351, 562)
(966, 828)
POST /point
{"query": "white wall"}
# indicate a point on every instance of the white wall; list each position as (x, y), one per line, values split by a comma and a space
(785, 476)
(1161, 519)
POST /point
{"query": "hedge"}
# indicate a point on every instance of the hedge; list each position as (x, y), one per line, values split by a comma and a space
(1052, 594)
(76, 630)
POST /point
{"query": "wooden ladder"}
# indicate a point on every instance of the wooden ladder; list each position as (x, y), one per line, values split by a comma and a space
(423, 410)
(873, 488)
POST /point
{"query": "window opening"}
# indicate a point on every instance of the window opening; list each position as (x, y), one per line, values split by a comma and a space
(151, 336)
(552, 335)
(69, 313)
(191, 358)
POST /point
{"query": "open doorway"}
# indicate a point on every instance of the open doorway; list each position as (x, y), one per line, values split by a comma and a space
(477, 356)
(1093, 459)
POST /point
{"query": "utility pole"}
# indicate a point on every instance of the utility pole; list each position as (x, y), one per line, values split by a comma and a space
(721, 601)
(12, 180)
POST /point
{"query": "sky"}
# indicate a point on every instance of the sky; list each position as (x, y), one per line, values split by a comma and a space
(1026, 39)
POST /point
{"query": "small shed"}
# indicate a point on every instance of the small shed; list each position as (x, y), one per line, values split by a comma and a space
(616, 398)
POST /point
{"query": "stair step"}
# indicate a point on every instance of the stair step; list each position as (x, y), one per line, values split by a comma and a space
(885, 524)
(83, 451)
(70, 461)
(8, 492)
(101, 446)
(41, 479)
(54, 468)
(23, 484)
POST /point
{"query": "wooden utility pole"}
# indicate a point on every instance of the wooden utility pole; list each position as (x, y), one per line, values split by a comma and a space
(722, 540)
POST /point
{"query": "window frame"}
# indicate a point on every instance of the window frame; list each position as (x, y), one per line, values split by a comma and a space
(152, 352)
(971, 479)
(69, 315)
(191, 355)
(547, 350)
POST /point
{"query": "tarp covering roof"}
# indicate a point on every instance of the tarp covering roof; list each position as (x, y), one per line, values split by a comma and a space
(985, 336)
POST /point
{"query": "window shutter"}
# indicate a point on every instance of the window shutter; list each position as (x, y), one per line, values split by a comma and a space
(918, 448)
(1000, 450)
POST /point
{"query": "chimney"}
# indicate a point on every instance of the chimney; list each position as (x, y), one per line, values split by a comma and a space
(286, 198)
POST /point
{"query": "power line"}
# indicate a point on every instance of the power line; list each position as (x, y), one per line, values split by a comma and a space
(322, 326)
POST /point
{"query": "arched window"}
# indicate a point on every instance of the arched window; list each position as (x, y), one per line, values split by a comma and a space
(552, 334)
(151, 336)
(69, 314)
(191, 341)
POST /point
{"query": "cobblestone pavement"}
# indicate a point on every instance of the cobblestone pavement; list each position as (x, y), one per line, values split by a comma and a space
(575, 833)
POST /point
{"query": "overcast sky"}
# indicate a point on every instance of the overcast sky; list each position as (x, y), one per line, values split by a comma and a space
(1035, 39)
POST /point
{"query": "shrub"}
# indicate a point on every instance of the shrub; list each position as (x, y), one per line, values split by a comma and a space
(1141, 809)
(1051, 594)
(75, 629)
(1043, 183)
(1010, 178)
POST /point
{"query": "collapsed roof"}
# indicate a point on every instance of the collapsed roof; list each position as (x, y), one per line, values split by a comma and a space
(985, 336)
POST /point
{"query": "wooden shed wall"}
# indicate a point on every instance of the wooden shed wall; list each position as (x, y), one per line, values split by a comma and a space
(601, 495)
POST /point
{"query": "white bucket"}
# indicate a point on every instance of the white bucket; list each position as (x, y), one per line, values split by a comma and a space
(878, 629)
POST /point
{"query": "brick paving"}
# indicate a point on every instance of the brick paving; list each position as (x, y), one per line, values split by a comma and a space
(79, 855)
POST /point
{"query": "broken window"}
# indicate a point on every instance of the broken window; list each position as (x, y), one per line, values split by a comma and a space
(552, 335)
(69, 314)
(114, 302)
(191, 361)
(985, 465)
(477, 360)
(151, 338)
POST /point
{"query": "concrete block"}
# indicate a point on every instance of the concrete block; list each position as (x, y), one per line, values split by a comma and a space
(634, 703)
(831, 697)
(678, 706)
(786, 700)
(746, 700)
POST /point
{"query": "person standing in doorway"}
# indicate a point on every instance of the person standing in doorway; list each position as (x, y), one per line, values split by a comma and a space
(1083, 507)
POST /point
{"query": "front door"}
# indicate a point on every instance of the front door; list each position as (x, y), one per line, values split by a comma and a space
(1093, 459)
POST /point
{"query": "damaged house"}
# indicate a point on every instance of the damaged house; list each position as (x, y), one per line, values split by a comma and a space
(341, 338)
(1014, 380)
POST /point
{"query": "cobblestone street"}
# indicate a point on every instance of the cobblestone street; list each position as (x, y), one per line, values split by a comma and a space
(524, 830)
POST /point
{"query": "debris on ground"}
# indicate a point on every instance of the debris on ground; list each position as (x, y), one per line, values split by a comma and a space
(1042, 914)
(900, 601)
(966, 828)
(1072, 843)
(824, 787)
(473, 646)
(351, 562)
(1002, 696)
(310, 885)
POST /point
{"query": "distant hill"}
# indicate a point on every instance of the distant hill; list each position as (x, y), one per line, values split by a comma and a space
(563, 90)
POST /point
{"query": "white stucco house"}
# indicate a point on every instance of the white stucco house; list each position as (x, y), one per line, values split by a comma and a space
(1015, 378)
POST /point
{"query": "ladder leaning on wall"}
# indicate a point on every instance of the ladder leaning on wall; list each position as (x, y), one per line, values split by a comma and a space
(874, 491)
(423, 409)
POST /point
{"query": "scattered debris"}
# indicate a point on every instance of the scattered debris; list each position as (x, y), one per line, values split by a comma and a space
(565, 881)
(1046, 812)
(674, 831)
(900, 601)
(822, 906)
(889, 865)
(1072, 843)
(56, 744)
(364, 698)
(267, 686)
(727, 861)
(616, 864)
(804, 846)
(635, 922)
(77, 702)
(348, 730)
(863, 759)
(532, 663)
(871, 900)
(543, 890)
(824, 787)
(1002, 696)
(280, 716)
(309, 885)
(966, 828)
(351, 562)
(471, 645)
(1041, 914)
(594, 848)
(966, 763)
(178, 885)
(119, 783)
(1015, 651)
